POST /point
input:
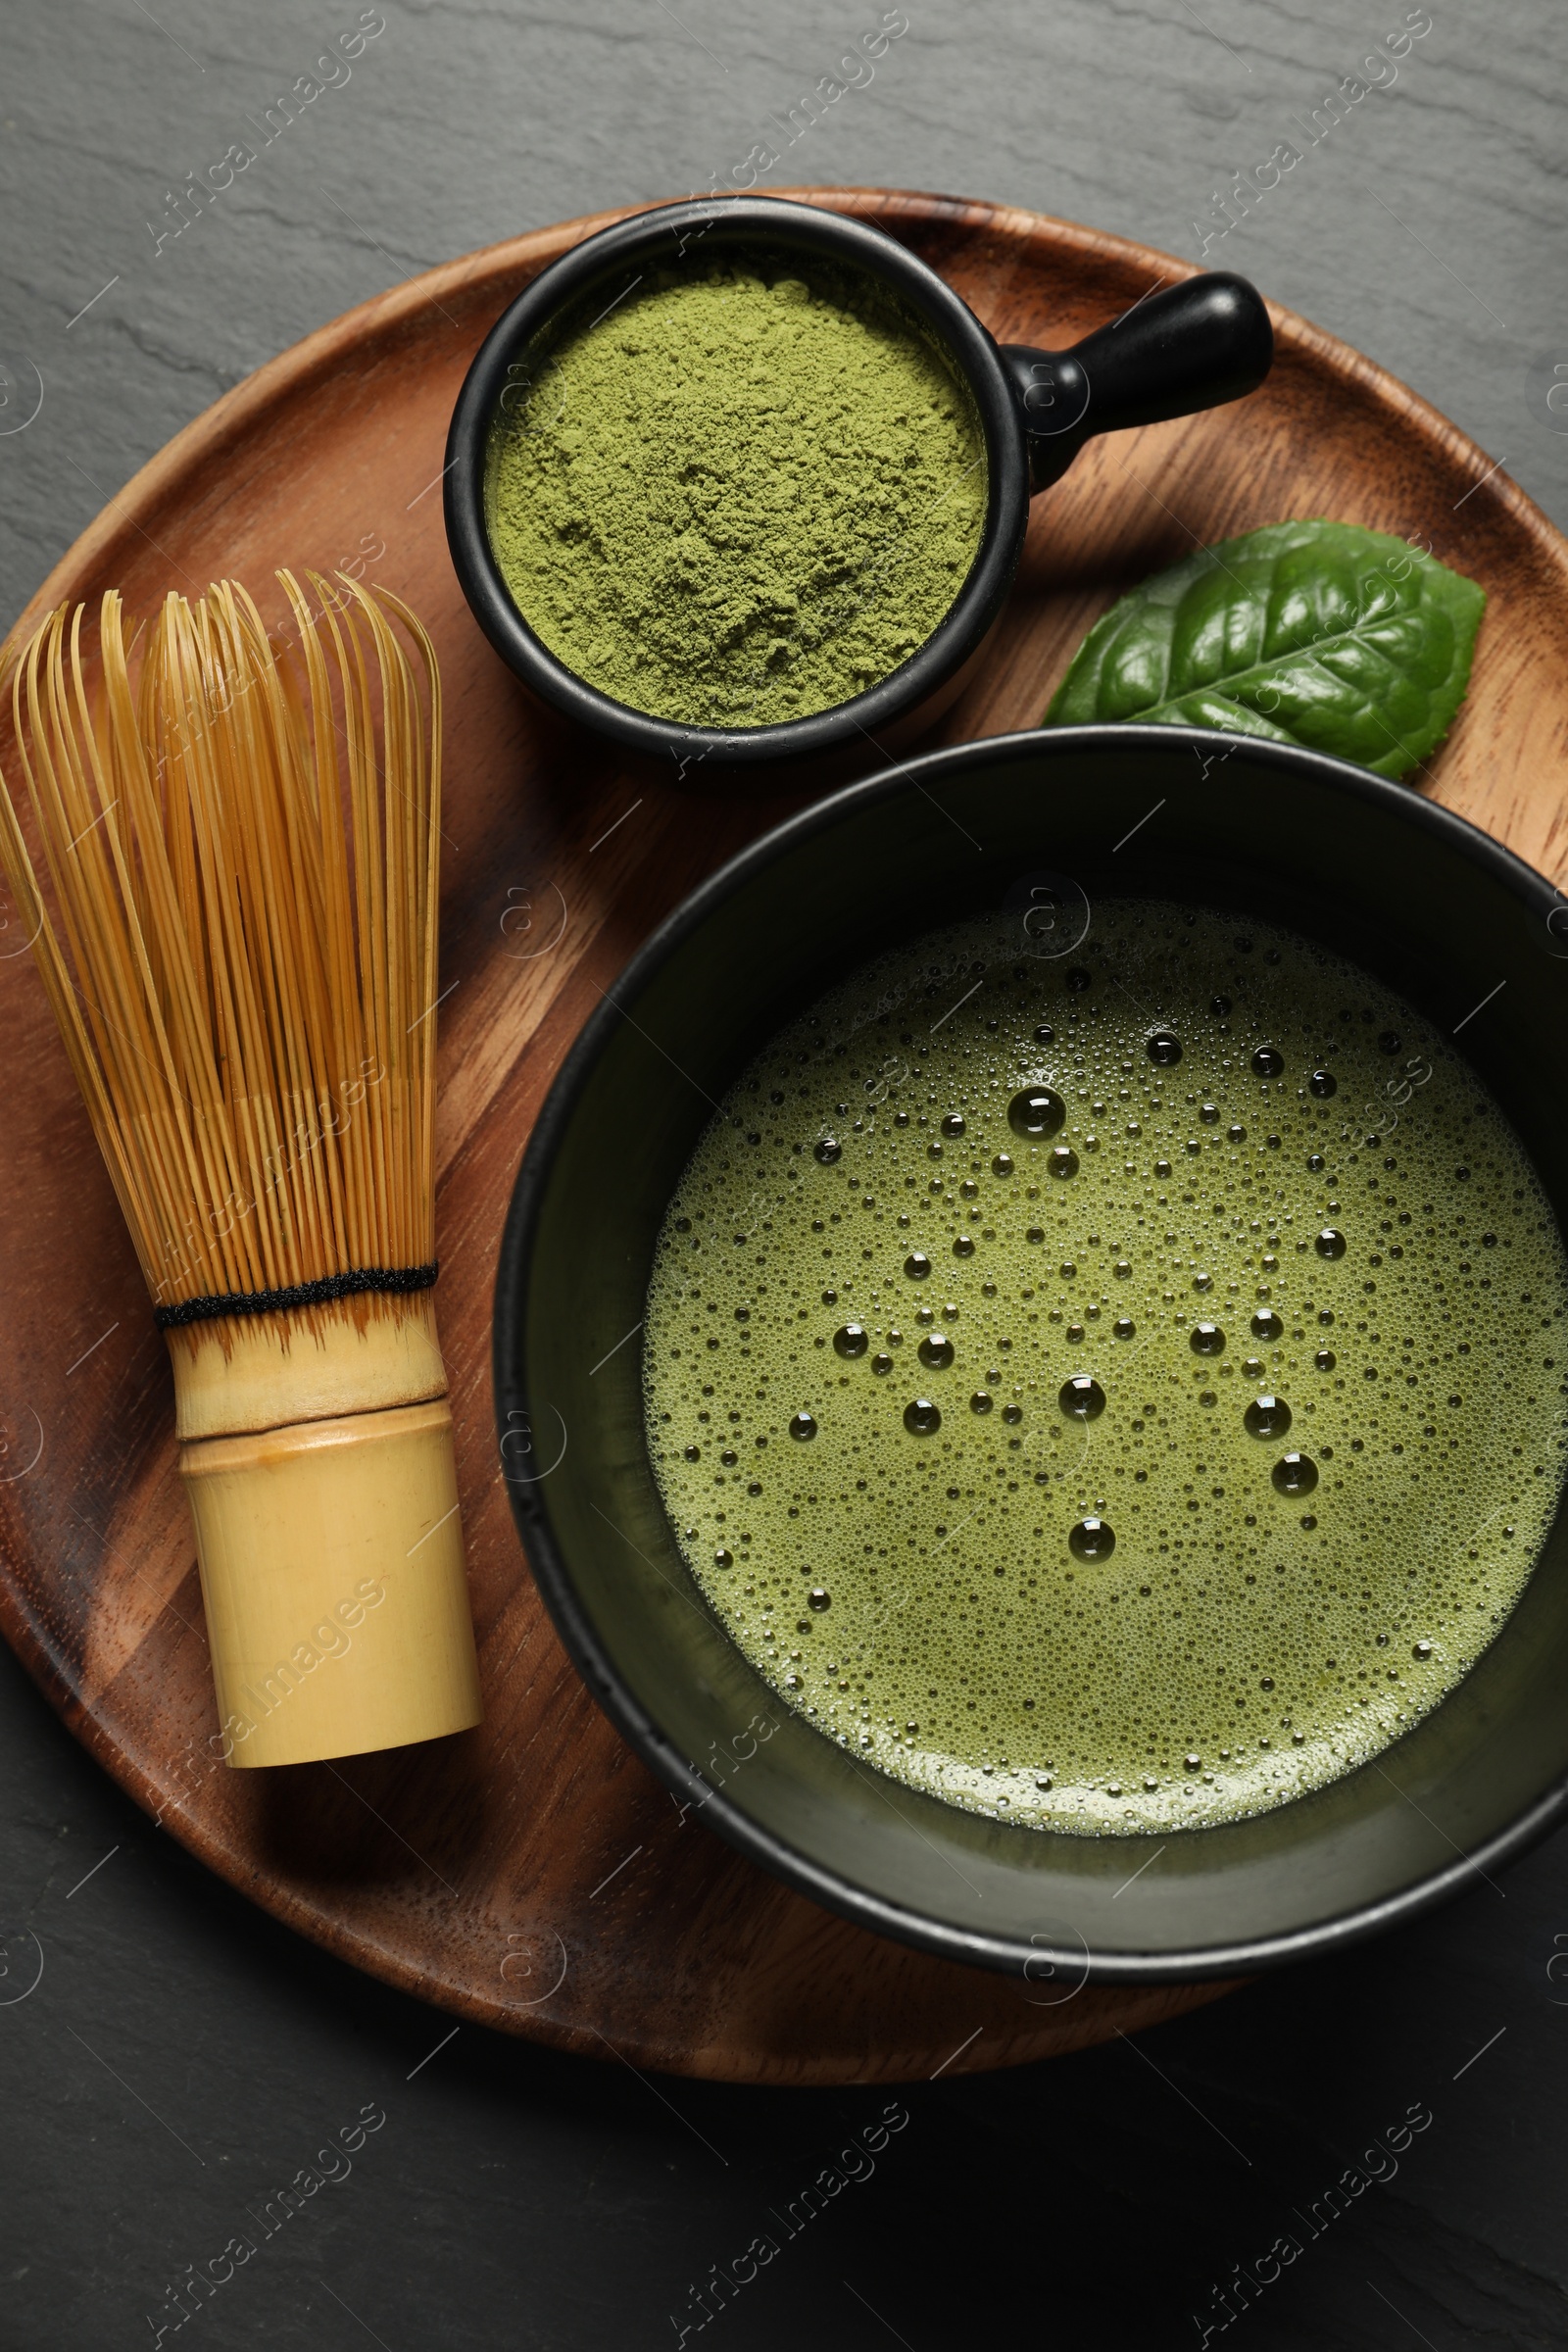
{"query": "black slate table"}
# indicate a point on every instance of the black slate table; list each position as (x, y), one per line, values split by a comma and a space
(182, 2060)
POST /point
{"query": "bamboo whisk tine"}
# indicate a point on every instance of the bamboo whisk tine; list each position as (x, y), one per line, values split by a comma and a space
(239, 844)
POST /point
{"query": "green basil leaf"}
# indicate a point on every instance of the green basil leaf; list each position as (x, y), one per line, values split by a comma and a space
(1318, 633)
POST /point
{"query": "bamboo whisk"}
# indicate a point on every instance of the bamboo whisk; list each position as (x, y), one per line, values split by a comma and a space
(241, 842)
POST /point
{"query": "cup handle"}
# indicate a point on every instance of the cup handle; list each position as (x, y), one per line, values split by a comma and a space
(1195, 346)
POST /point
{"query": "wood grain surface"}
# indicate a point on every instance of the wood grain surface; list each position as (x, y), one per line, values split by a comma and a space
(531, 1875)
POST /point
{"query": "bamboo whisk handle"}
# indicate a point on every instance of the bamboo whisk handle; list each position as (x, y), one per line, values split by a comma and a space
(333, 1573)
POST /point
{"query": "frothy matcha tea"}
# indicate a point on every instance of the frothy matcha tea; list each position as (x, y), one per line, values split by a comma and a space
(1118, 1393)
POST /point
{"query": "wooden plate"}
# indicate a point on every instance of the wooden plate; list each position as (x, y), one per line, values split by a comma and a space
(531, 1875)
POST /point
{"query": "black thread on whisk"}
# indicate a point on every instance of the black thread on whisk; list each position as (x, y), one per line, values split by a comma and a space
(298, 1294)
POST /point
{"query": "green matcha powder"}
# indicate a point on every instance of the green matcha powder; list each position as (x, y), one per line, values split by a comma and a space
(733, 504)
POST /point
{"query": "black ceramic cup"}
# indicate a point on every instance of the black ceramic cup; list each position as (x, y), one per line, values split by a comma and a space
(1190, 347)
(1415, 895)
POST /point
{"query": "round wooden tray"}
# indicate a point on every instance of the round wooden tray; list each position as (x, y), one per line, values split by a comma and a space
(531, 1875)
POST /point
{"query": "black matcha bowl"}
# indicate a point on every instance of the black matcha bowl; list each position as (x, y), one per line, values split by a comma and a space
(1415, 895)
(1191, 347)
